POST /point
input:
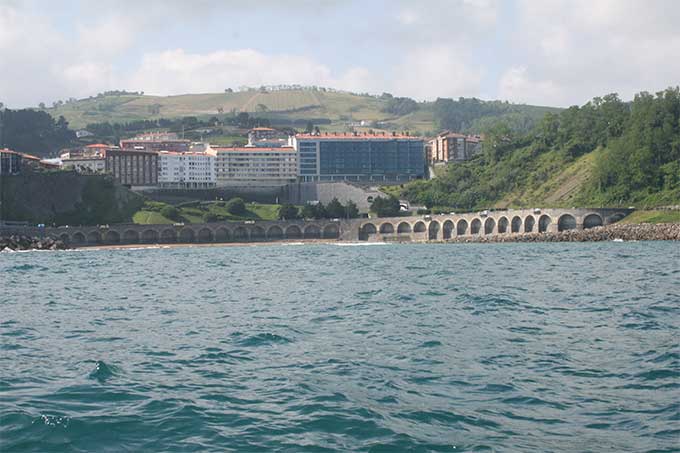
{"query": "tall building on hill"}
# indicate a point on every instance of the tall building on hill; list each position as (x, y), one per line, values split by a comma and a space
(132, 167)
(164, 141)
(359, 157)
(254, 166)
(186, 170)
(453, 147)
(266, 137)
(10, 162)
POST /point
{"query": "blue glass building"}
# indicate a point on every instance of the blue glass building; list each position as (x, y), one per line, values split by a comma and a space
(360, 157)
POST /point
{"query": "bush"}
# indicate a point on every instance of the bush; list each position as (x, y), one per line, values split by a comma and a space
(170, 212)
(209, 217)
(236, 206)
(288, 212)
(423, 211)
(386, 207)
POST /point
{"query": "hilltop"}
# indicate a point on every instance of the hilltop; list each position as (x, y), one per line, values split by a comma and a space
(293, 107)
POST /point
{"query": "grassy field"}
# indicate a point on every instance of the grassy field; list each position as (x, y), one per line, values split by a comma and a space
(280, 107)
(653, 216)
(304, 104)
(193, 213)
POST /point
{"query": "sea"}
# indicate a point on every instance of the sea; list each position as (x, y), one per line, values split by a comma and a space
(541, 347)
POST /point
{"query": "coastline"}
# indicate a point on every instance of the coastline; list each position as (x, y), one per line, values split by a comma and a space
(614, 232)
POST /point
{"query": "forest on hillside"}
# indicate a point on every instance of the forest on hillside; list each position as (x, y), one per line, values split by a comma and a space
(634, 149)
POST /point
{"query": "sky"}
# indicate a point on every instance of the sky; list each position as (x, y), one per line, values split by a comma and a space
(543, 52)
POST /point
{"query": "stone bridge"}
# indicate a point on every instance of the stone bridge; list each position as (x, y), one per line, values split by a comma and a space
(402, 229)
(443, 227)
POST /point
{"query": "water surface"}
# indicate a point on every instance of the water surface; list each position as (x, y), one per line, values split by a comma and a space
(467, 347)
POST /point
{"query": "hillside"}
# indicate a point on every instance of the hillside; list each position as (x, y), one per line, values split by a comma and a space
(335, 110)
(66, 198)
(605, 153)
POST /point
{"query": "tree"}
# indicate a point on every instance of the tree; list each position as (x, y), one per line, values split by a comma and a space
(228, 90)
(385, 207)
(41, 106)
(308, 211)
(351, 210)
(170, 212)
(209, 217)
(288, 212)
(320, 211)
(309, 128)
(236, 206)
(261, 108)
(335, 209)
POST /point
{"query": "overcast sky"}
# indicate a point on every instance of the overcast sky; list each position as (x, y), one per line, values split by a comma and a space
(547, 52)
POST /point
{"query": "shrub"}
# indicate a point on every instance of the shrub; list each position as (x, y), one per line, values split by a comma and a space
(386, 207)
(209, 217)
(236, 206)
(170, 212)
(288, 212)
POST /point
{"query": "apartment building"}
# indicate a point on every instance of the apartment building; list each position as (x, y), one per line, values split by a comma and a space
(186, 170)
(254, 166)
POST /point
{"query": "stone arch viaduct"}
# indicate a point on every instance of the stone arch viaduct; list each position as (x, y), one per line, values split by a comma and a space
(402, 229)
(444, 227)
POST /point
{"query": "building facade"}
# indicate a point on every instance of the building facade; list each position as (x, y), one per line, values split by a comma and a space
(451, 146)
(359, 157)
(157, 142)
(254, 166)
(186, 170)
(133, 167)
(10, 162)
(266, 137)
(85, 164)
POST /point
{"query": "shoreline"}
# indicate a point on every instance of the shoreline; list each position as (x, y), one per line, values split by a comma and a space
(615, 232)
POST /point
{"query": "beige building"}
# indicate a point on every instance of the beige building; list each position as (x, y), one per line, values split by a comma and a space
(254, 166)
(450, 146)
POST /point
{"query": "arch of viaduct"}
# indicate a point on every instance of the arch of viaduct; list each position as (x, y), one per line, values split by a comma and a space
(427, 228)
(445, 227)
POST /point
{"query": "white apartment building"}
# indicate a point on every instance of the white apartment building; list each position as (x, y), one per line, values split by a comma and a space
(254, 166)
(186, 170)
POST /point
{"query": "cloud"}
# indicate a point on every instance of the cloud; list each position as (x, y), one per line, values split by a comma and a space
(592, 48)
(552, 52)
(428, 73)
(178, 71)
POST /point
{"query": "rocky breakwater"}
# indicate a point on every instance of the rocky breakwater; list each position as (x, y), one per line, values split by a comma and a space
(16, 242)
(615, 232)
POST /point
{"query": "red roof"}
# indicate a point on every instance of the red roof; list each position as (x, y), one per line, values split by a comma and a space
(357, 136)
(98, 145)
(285, 149)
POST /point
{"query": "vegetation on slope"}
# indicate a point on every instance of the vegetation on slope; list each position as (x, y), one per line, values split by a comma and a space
(155, 212)
(653, 216)
(337, 110)
(606, 152)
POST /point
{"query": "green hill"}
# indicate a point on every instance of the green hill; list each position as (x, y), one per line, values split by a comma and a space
(605, 153)
(338, 110)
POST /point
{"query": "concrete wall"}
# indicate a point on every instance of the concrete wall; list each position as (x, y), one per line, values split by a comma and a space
(301, 193)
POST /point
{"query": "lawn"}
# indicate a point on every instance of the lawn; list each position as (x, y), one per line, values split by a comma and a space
(149, 218)
(193, 212)
(653, 216)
